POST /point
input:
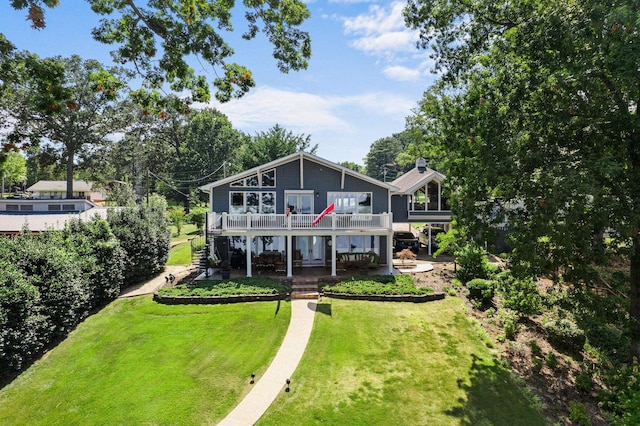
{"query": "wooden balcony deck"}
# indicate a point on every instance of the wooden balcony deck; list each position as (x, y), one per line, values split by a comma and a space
(225, 222)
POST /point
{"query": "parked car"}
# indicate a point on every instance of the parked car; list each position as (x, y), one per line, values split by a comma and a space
(405, 240)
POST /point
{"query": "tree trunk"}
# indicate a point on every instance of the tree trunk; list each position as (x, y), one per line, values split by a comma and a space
(634, 298)
(70, 155)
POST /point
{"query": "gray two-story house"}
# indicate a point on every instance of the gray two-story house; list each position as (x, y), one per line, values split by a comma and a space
(306, 211)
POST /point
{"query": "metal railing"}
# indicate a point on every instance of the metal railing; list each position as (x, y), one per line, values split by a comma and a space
(333, 221)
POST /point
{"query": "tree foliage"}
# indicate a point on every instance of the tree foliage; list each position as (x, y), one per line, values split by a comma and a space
(82, 122)
(144, 235)
(380, 162)
(155, 38)
(14, 169)
(275, 143)
(536, 118)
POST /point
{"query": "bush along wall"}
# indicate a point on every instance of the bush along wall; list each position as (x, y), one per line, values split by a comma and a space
(51, 282)
(144, 235)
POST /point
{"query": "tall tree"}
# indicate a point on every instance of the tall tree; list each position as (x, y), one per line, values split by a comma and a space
(536, 114)
(380, 161)
(352, 165)
(210, 144)
(13, 170)
(82, 122)
(156, 37)
(275, 143)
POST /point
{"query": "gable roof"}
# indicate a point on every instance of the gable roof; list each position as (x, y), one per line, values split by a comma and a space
(59, 186)
(409, 182)
(301, 155)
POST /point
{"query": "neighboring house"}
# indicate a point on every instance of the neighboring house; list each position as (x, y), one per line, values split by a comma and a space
(419, 198)
(277, 208)
(41, 215)
(57, 189)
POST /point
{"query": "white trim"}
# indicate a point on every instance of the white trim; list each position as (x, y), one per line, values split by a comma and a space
(302, 156)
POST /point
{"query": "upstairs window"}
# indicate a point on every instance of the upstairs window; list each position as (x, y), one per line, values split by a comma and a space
(351, 202)
(252, 202)
(265, 179)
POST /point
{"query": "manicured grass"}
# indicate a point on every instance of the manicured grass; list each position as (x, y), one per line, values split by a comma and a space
(188, 231)
(377, 363)
(180, 254)
(236, 286)
(138, 362)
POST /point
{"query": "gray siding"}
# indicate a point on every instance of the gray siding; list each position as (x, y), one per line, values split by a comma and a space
(399, 205)
(317, 178)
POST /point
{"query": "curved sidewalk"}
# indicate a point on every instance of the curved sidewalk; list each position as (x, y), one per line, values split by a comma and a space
(267, 387)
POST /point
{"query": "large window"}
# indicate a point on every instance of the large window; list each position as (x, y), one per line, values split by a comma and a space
(252, 202)
(350, 202)
(357, 243)
(264, 180)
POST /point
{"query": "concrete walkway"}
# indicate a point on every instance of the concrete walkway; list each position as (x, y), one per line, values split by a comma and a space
(273, 381)
(152, 285)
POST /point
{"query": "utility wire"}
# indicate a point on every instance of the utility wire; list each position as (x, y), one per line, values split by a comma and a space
(169, 184)
(202, 178)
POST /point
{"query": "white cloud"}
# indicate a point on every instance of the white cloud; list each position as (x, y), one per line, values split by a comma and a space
(400, 73)
(266, 106)
(381, 30)
(343, 126)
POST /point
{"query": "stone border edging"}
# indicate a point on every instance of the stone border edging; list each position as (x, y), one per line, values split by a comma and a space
(415, 298)
(216, 300)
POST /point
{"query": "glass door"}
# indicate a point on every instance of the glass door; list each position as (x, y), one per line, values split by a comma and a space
(300, 202)
(312, 249)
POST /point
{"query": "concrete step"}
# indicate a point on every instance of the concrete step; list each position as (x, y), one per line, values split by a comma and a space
(305, 295)
(305, 287)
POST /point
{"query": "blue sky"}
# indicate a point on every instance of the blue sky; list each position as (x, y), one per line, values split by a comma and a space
(364, 77)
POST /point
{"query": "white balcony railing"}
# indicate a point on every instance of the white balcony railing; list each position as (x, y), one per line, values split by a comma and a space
(333, 221)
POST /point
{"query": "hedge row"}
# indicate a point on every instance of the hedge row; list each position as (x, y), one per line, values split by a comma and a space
(51, 281)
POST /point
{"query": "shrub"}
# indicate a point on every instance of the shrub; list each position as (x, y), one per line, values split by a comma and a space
(472, 262)
(481, 290)
(609, 340)
(584, 382)
(509, 321)
(235, 287)
(535, 347)
(551, 360)
(578, 413)
(56, 273)
(103, 259)
(621, 395)
(144, 235)
(565, 334)
(519, 295)
(537, 364)
(21, 324)
(383, 284)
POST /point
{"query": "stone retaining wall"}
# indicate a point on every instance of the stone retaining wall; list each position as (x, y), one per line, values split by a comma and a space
(215, 300)
(415, 298)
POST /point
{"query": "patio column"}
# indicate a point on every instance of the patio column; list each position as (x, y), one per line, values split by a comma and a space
(390, 253)
(249, 250)
(429, 240)
(333, 255)
(289, 256)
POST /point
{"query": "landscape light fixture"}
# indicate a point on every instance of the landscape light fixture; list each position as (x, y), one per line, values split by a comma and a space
(288, 383)
(253, 377)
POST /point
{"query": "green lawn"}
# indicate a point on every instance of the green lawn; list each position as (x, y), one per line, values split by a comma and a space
(375, 363)
(180, 254)
(138, 362)
(368, 363)
(188, 231)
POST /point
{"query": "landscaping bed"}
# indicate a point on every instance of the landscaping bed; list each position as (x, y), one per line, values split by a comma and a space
(383, 288)
(247, 289)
